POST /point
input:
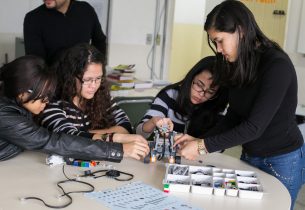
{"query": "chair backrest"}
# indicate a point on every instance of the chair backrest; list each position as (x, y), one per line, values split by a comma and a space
(134, 107)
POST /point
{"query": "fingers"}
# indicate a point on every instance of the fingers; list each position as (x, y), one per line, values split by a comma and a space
(189, 150)
(165, 124)
(180, 138)
(136, 149)
(139, 138)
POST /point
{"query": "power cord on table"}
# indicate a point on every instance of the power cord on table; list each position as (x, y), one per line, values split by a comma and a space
(108, 173)
(65, 194)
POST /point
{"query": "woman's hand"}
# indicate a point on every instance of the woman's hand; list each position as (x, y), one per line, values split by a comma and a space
(159, 122)
(164, 124)
(181, 139)
(123, 138)
(136, 149)
(189, 150)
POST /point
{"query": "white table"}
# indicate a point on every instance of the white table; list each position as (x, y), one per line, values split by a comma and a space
(28, 175)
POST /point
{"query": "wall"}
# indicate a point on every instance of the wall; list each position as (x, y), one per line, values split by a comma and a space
(130, 23)
(206, 50)
(291, 43)
(189, 40)
(187, 37)
(11, 24)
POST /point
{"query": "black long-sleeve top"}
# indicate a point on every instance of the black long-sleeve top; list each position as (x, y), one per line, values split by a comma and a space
(47, 32)
(261, 117)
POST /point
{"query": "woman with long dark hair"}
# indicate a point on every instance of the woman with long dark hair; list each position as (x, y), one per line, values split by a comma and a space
(191, 105)
(262, 86)
(26, 88)
(84, 106)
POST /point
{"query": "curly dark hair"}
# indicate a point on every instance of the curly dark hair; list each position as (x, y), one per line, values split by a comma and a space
(72, 65)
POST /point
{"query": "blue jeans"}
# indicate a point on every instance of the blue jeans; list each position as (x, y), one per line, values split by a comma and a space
(288, 168)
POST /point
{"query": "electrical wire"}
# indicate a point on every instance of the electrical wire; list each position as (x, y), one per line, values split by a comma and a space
(115, 174)
(163, 148)
(109, 173)
(64, 193)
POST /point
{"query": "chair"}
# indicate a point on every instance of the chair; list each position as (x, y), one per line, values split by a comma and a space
(134, 107)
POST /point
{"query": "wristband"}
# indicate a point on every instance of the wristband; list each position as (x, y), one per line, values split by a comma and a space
(201, 149)
(110, 137)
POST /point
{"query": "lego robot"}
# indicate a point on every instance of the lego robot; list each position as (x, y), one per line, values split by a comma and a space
(162, 147)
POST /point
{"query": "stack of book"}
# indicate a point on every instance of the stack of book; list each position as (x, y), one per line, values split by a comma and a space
(122, 77)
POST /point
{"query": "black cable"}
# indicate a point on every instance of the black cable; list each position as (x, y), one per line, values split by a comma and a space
(170, 142)
(48, 205)
(65, 194)
(163, 149)
(109, 173)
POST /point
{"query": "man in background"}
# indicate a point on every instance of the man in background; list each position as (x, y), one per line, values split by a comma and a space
(59, 24)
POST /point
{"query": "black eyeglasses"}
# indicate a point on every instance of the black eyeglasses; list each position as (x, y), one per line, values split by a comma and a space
(197, 86)
(90, 81)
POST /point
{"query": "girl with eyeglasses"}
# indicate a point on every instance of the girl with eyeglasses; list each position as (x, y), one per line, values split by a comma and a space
(83, 105)
(191, 105)
(262, 98)
(26, 87)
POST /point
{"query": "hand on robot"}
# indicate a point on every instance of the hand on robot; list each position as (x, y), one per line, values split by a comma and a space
(182, 139)
(164, 125)
(187, 146)
(136, 149)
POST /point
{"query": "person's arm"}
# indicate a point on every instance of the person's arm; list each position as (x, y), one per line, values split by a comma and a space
(17, 128)
(20, 130)
(55, 119)
(273, 88)
(158, 110)
(33, 40)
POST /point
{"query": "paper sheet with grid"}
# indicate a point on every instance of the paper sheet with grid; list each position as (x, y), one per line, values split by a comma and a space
(139, 196)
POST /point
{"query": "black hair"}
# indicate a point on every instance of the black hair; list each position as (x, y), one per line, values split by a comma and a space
(205, 113)
(233, 16)
(71, 66)
(184, 105)
(27, 74)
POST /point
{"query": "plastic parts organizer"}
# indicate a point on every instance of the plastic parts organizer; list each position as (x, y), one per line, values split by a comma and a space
(211, 180)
